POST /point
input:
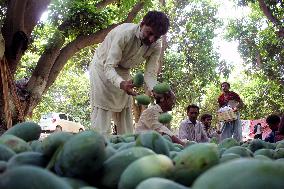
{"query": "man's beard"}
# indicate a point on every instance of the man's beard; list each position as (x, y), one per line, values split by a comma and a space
(146, 41)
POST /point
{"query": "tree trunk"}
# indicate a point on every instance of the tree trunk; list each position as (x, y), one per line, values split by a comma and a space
(267, 12)
(21, 18)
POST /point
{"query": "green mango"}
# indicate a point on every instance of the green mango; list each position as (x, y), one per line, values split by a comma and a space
(244, 173)
(143, 99)
(138, 79)
(161, 88)
(165, 118)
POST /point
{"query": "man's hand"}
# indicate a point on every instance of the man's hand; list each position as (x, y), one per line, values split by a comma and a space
(128, 86)
(235, 109)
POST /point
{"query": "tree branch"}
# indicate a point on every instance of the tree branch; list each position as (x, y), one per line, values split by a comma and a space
(33, 12)
(258, 59)
(83, 41)
(14, 20)
(265, 9)
(22, 16)
(41, 85)
(133, 13)
(267, 12)
(46, 61)
(37, 83)
(13, 23)
(70, 49)
(104, 3)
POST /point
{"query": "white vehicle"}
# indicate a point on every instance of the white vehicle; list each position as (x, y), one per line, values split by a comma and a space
(59, 122)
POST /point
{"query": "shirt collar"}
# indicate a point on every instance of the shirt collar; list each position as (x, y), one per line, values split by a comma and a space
(137, 32)
(159, 109)
(189, 122)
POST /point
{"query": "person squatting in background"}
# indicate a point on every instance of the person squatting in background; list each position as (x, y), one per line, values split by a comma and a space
(149, 117)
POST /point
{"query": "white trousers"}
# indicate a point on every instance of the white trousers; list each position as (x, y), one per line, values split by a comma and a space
(101, 121)
(233, 128)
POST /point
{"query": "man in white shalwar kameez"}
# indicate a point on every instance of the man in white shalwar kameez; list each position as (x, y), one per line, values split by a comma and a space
(125, 47)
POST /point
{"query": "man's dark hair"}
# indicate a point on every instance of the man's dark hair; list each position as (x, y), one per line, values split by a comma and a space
(167, 95)
(205, 116)
(226, 83)
(191, 106)
(281, 125)
(158, 21)
(273, 119)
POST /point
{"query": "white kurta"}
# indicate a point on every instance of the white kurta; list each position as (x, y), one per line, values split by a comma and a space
(120, 51)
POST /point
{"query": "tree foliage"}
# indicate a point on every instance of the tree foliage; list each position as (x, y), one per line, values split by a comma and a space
(261, 42)
(191, 62)
(39, 49)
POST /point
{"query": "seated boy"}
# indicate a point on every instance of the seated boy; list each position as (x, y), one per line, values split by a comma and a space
(149, 117)
(210, 131)
(273, 123)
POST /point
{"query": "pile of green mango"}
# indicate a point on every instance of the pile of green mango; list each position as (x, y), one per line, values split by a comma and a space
(88, 160)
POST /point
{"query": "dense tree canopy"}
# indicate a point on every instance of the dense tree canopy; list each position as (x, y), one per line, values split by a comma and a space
(261, 42)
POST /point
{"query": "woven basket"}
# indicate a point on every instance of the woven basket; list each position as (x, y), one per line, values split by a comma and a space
(226, 116)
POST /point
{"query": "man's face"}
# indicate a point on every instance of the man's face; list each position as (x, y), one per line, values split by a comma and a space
(148, 35)
(168, 103)
(207, 122)
(171, 103)
(193, 114)
(225, 87)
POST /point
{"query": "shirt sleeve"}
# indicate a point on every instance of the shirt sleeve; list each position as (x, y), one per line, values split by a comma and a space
(164, 129)
(151, 67)
(236, 97)
(204, 136)
(221, 100)
(149, 118)
(182, 131)
(117, 44)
